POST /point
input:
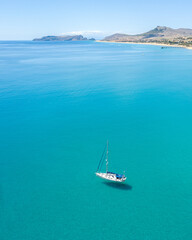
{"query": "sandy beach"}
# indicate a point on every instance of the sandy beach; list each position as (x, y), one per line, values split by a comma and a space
(157, 44)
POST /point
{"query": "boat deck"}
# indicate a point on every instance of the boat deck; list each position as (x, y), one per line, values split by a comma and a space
(111, 177)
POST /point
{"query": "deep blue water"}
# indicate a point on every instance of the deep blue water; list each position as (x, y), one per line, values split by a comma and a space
(59, 103)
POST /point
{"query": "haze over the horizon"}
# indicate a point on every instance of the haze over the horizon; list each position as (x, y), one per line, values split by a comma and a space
(21, 20)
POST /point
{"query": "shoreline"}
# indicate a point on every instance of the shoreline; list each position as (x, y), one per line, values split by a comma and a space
(156, 44)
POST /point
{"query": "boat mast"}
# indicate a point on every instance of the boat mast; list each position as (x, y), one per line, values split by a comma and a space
(107, 158)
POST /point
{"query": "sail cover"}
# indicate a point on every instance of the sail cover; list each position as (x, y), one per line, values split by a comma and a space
(119, 175)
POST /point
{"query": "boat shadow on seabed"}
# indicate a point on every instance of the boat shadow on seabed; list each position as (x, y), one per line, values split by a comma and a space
(121, 186)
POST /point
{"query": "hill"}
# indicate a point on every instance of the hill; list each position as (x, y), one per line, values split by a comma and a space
(63, 38)
(163, 35)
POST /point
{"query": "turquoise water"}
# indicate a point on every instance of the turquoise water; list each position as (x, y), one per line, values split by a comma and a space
(59, 103)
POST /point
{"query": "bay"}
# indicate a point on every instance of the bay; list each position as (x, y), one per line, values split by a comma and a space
(59, 103)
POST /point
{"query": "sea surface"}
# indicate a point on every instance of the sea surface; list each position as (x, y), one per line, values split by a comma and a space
(59, 103)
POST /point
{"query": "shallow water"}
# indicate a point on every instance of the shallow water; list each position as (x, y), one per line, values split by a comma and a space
(59, 103)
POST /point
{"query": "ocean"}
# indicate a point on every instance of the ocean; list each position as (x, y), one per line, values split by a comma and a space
(59, 104)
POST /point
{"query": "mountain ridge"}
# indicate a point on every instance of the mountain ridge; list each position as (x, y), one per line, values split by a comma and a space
(160, 34)
(64, 38)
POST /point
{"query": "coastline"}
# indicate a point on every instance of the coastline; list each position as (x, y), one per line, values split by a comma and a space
(157, 44)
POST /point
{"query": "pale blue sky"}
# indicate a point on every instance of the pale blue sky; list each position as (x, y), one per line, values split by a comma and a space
(27, 19)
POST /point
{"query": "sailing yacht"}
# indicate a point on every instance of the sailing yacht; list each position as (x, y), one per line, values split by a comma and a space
(108, 175)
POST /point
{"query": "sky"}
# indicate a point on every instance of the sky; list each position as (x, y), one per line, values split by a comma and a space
(28, 19)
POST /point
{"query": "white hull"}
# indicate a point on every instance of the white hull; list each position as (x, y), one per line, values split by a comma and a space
(110, 177)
